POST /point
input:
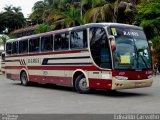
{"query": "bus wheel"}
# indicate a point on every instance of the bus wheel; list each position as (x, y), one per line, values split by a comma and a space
(24, 79)
(81, 84)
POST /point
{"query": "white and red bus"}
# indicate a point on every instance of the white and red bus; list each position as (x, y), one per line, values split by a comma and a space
(108, 56)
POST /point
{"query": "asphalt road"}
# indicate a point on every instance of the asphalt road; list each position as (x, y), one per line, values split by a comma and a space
(44, 99)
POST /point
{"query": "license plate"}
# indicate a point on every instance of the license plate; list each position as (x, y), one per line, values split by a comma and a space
(138, 84)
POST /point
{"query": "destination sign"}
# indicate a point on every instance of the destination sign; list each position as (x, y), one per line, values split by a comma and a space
(128, 32)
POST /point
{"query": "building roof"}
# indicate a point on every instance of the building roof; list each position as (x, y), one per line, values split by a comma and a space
(23, 29)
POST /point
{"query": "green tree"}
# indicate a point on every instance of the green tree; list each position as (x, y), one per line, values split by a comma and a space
(12, 18)
(3, 40)
(38, 9)
(44, 28)
(8, 8)
(148, 17)
(156, 45)
(59, 12)
(17, 10)
(48, 10)
(72, 17)
(113, 11)
(55, 9)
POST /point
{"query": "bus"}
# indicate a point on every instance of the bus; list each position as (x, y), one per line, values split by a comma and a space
(108, 56)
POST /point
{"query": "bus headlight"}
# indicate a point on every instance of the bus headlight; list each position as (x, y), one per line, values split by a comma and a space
(121, 77)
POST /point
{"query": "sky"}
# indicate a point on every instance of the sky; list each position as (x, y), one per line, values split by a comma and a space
(26, 5)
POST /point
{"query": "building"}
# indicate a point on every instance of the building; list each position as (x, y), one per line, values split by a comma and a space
(23, 32)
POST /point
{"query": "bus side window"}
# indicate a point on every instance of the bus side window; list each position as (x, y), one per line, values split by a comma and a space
(61, 42)
(9, 48)
(65, 41)
(34, 45)
(15, 47)
(79, 39)
(47, 43)
(23, 46)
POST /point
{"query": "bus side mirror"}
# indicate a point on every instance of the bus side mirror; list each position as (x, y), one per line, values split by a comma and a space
(113, 42)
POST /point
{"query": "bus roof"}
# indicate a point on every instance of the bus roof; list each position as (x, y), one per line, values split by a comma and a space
(89, 25)
(105, 24)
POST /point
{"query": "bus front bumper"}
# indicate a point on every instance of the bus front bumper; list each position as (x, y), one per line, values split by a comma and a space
(127, 84)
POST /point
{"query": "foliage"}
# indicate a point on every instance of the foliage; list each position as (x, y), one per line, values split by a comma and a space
(3, 40)
(49, 11)
(110, 11)
(38, 10)
(93, 3)
(99, 14)
(11, 19)
(149, 17)
(156, 45)
(72, 17)
(59, 12)
(44, 28)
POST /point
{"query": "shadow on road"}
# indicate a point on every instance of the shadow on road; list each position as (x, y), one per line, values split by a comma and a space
(109, 93)
(118, 94)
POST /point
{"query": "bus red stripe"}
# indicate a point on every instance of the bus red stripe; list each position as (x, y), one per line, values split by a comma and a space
(91, 68)
(52, 79)
(14, 67)
(44, 79)
(12, 76)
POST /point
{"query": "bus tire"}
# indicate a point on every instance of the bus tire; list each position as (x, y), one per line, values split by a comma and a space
(24, 79)
(81, 84)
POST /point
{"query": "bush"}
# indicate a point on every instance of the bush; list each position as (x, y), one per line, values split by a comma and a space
(44, 28)
(156, 46)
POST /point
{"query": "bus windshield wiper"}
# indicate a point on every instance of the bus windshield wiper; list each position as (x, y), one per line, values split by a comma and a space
(137, 54)
(143, 61)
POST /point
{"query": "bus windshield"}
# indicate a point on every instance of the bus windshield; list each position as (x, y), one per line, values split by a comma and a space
(132, 49)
